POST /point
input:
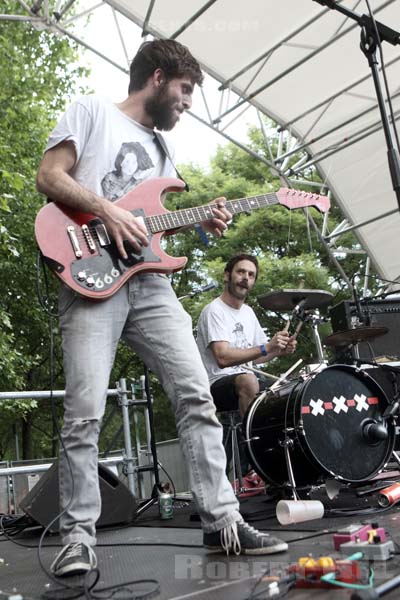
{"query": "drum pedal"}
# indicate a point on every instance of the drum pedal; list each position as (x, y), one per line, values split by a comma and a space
(357, 533)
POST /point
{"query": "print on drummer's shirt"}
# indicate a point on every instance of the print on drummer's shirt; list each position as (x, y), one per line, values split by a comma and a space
(240, 337)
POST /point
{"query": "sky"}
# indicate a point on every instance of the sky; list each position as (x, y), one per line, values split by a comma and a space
(193, 141)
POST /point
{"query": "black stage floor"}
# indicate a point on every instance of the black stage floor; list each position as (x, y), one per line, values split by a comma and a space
(171, 552)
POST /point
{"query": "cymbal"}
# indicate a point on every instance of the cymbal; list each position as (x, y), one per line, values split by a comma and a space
(286, 300)
(354, 336)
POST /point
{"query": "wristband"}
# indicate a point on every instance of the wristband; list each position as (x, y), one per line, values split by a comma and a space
(263, 350)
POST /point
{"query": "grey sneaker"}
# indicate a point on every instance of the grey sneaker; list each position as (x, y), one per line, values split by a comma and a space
(241, 538)
(74, 559)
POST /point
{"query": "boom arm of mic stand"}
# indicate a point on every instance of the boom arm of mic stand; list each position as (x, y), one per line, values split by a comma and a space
(369, 42)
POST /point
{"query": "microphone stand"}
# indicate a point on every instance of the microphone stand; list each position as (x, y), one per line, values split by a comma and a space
(371, 32)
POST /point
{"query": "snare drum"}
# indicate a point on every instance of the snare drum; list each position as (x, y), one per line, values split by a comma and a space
(326, 416)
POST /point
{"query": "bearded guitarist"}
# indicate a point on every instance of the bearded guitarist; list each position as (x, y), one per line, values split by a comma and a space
(95, 155)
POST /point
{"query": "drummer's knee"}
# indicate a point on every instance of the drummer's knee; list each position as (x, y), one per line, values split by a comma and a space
(247, 388)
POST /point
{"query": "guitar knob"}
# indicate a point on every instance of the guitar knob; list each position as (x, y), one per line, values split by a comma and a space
(90, 281)
(81, 276)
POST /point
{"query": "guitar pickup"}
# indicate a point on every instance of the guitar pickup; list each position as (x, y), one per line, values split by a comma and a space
(88, 238)
(74, 241)
(101, 232)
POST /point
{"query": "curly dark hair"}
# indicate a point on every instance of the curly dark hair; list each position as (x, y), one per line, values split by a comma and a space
(172, 57)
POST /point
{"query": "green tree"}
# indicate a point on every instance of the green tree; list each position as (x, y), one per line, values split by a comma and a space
(36, 80)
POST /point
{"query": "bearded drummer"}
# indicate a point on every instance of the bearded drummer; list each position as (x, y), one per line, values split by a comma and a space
(230, 337)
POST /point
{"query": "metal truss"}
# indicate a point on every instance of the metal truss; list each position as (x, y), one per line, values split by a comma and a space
(289, 155)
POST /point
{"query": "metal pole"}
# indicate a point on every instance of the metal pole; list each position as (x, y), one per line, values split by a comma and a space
(129, 457)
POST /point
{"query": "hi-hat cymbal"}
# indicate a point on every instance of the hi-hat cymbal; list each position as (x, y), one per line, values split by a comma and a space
(286, 300)
(354, 336)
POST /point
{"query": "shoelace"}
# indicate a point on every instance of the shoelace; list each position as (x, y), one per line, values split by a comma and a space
(76, 550)
(230, 536)
(230, 539)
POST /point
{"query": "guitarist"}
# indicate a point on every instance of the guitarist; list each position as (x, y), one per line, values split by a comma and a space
(96, 151)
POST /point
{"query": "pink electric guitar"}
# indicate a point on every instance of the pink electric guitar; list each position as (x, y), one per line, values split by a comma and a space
(77, 247)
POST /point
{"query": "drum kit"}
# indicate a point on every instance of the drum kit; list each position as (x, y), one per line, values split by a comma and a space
(331, 421)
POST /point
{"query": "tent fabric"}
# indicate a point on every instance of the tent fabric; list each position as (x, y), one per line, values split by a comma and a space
(310, 57)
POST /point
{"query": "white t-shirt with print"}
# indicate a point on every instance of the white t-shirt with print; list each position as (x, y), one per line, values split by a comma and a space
(114, 152)
(219, 322)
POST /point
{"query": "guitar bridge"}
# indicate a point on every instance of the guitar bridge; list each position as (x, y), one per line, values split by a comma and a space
(88, 238)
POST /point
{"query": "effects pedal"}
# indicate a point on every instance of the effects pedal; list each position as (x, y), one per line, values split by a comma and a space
(358, 533)
(309, 571)
(375, 550)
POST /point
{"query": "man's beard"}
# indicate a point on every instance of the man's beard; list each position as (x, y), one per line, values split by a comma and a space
(159, 108)
(234, 293)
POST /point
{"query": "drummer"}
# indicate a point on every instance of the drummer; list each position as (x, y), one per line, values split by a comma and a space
(231, 338)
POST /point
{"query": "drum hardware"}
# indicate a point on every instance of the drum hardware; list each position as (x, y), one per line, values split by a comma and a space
(354, 336)
(285, 300)
(287, 445)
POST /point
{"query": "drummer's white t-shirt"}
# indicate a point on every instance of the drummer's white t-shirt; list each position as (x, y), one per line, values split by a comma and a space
(219, 322)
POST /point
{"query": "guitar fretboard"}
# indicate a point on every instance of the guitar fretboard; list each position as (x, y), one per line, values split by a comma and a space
(197, 214)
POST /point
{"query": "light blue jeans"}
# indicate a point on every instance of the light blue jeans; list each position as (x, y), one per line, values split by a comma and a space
(147, 315)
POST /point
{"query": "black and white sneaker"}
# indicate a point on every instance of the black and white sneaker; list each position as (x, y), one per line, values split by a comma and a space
(74, 559)
(241, 538)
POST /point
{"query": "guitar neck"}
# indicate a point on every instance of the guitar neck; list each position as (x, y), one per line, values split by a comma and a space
(197, 214)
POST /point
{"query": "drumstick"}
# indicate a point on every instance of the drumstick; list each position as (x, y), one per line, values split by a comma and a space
(297, 330)
(260, 372)
(283, 377)
(286, 328)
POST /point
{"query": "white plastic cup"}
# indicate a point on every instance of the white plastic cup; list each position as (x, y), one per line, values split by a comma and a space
(296, 511)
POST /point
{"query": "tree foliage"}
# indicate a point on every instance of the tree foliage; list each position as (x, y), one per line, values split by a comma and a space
(36, 80)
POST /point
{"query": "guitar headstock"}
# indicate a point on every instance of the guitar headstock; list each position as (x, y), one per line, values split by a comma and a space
(296, 199)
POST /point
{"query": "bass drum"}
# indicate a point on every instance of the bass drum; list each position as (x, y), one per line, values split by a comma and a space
(334, 421)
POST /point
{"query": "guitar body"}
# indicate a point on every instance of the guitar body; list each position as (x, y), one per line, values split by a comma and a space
(77, 249)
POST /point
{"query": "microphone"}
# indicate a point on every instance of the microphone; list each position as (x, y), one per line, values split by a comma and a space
(206, 288)
(300, 306)
(210, 286)
(373, 431)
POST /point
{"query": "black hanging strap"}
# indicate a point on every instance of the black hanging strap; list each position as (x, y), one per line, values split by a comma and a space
(159, 138)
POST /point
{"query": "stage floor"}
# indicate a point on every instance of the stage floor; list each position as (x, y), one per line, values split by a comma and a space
(172, 553)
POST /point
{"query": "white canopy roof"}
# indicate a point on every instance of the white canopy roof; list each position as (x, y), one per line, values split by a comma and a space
(299, 63)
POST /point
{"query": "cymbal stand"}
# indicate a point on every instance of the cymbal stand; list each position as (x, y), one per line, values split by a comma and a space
(315, 320)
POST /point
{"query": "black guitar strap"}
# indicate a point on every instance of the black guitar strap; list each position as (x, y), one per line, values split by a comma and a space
(159, 138)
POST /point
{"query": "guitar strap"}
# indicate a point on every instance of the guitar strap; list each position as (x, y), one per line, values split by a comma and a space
(159, 138)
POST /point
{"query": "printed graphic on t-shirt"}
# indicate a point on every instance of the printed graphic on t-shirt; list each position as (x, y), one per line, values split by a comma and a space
(131, 165)
(240, 336)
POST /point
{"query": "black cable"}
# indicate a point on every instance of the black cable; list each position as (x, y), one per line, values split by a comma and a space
(44, 301)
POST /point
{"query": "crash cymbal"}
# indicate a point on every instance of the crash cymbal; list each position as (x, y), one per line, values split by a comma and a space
(354, 336)
(286, 300)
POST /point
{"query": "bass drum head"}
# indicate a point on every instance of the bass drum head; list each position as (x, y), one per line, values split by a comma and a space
(327, 417)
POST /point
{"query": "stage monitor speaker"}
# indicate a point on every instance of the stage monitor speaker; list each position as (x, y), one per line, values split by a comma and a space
(118, 503)
(376, 313)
